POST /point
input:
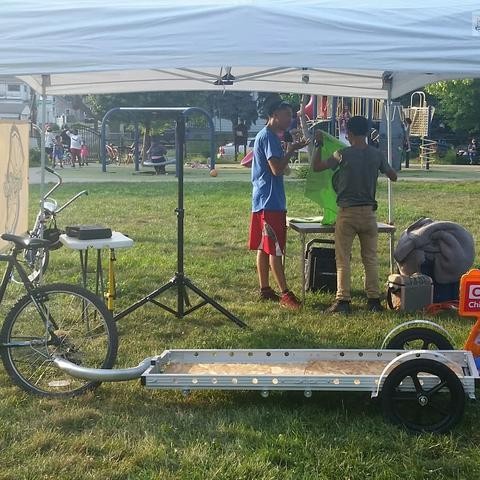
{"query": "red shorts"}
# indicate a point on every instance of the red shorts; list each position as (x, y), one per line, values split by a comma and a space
(268, 232)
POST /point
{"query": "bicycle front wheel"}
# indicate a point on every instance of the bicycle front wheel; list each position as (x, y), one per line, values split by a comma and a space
(61, 320)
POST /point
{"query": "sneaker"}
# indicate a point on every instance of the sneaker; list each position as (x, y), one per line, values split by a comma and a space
(268, 293)
(289, 300)
(339, 306)
(374, 305)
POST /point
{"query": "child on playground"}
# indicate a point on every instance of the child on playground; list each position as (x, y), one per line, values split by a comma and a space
(57, 155)
(84, 154)
(156, 154)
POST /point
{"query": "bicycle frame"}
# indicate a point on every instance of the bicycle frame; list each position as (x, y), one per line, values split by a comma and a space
(14, 264)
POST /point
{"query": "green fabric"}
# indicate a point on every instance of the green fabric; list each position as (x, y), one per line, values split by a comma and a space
(318, 186)
(306, 219)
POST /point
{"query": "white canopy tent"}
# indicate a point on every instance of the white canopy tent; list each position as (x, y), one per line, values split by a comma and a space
(326, 47)
(361, 48)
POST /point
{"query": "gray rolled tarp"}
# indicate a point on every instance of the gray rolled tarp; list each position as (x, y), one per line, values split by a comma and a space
(448, 245)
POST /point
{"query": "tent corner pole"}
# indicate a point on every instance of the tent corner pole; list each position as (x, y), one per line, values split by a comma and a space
(390, 162)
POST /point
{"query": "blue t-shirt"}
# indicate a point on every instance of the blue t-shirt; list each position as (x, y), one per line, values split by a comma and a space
(268, 190)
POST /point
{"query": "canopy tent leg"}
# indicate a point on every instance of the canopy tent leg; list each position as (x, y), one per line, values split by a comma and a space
(389, 182)
(45, 84)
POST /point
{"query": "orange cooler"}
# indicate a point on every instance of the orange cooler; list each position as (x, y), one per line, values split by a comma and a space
(469, 306)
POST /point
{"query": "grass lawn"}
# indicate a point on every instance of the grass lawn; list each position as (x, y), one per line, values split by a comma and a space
(122, 431)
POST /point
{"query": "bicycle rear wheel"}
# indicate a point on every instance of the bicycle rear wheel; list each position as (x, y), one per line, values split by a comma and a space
(62, 320)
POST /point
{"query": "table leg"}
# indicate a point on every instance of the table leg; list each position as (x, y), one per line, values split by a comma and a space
(99, 283)
(112, 289)
(83, 265)
(302, 264)
(392, 249)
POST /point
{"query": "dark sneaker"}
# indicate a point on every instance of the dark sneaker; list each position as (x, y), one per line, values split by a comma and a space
(268, 293)
(374, 305)
(289, 300)
(339, 306)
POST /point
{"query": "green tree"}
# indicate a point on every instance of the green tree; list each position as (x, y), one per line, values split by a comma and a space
(100, 104)
(264, 100)
(458, 103)
(234, 106)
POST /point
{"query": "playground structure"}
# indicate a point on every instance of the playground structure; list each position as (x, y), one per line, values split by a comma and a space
(335, 111)
(421, 115)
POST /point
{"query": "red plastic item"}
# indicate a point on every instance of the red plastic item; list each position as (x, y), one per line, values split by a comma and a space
(435, 308)
(309, 108)
(247, 160)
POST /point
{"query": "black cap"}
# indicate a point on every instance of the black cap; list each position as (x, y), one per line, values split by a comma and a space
(279, 105)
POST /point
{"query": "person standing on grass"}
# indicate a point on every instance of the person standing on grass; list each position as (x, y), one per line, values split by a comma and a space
(84, 153)
(268, 226)
(406, 146)
(75, 146)
(49, 142)
(472, 151)
(58, 152)
(355, 182)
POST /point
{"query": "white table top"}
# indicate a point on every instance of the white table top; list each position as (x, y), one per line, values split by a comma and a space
(117, 240)
(308, 227)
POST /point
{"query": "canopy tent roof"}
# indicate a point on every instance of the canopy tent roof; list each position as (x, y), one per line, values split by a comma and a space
(325, 47)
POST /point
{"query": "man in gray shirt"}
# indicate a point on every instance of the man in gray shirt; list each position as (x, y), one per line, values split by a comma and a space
(355, 182)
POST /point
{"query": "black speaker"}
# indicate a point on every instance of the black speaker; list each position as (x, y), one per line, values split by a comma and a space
(320, 266)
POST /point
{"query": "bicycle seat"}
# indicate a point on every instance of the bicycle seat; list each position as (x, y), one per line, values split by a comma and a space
(25, 242)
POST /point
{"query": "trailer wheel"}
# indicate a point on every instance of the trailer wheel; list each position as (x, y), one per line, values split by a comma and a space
(419, 339)
(423, 395)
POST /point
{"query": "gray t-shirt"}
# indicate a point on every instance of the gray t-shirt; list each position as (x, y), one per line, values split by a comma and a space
(355, 180)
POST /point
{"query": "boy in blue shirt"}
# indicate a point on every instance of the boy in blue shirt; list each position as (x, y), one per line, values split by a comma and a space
(268, 226)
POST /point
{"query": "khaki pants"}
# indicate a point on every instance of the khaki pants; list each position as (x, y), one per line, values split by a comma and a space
(359, 221)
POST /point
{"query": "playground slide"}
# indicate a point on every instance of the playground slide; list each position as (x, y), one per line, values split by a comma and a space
(247, 160)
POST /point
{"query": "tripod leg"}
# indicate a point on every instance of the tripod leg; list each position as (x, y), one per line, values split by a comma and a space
(149, 298)
(214, 304)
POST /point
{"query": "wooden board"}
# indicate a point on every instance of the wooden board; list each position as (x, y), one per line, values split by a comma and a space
(318, 368)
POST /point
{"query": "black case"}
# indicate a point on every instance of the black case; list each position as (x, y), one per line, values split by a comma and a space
(320, 266)
(88, 232)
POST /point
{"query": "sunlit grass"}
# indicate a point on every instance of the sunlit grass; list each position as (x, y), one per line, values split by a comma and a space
(123, 431)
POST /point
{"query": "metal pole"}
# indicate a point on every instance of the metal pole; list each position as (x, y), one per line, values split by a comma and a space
(136, 151)
(315, 107)
(180, 142)
(389, 182)
(333, 118)
(45, 82)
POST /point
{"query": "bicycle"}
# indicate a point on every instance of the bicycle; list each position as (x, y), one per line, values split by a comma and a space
(60, 320)
(45, 226)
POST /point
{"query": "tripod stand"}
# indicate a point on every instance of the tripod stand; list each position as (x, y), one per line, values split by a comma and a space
(179, 281)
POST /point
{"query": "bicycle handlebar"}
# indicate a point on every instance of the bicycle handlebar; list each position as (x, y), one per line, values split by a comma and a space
(59, 182)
